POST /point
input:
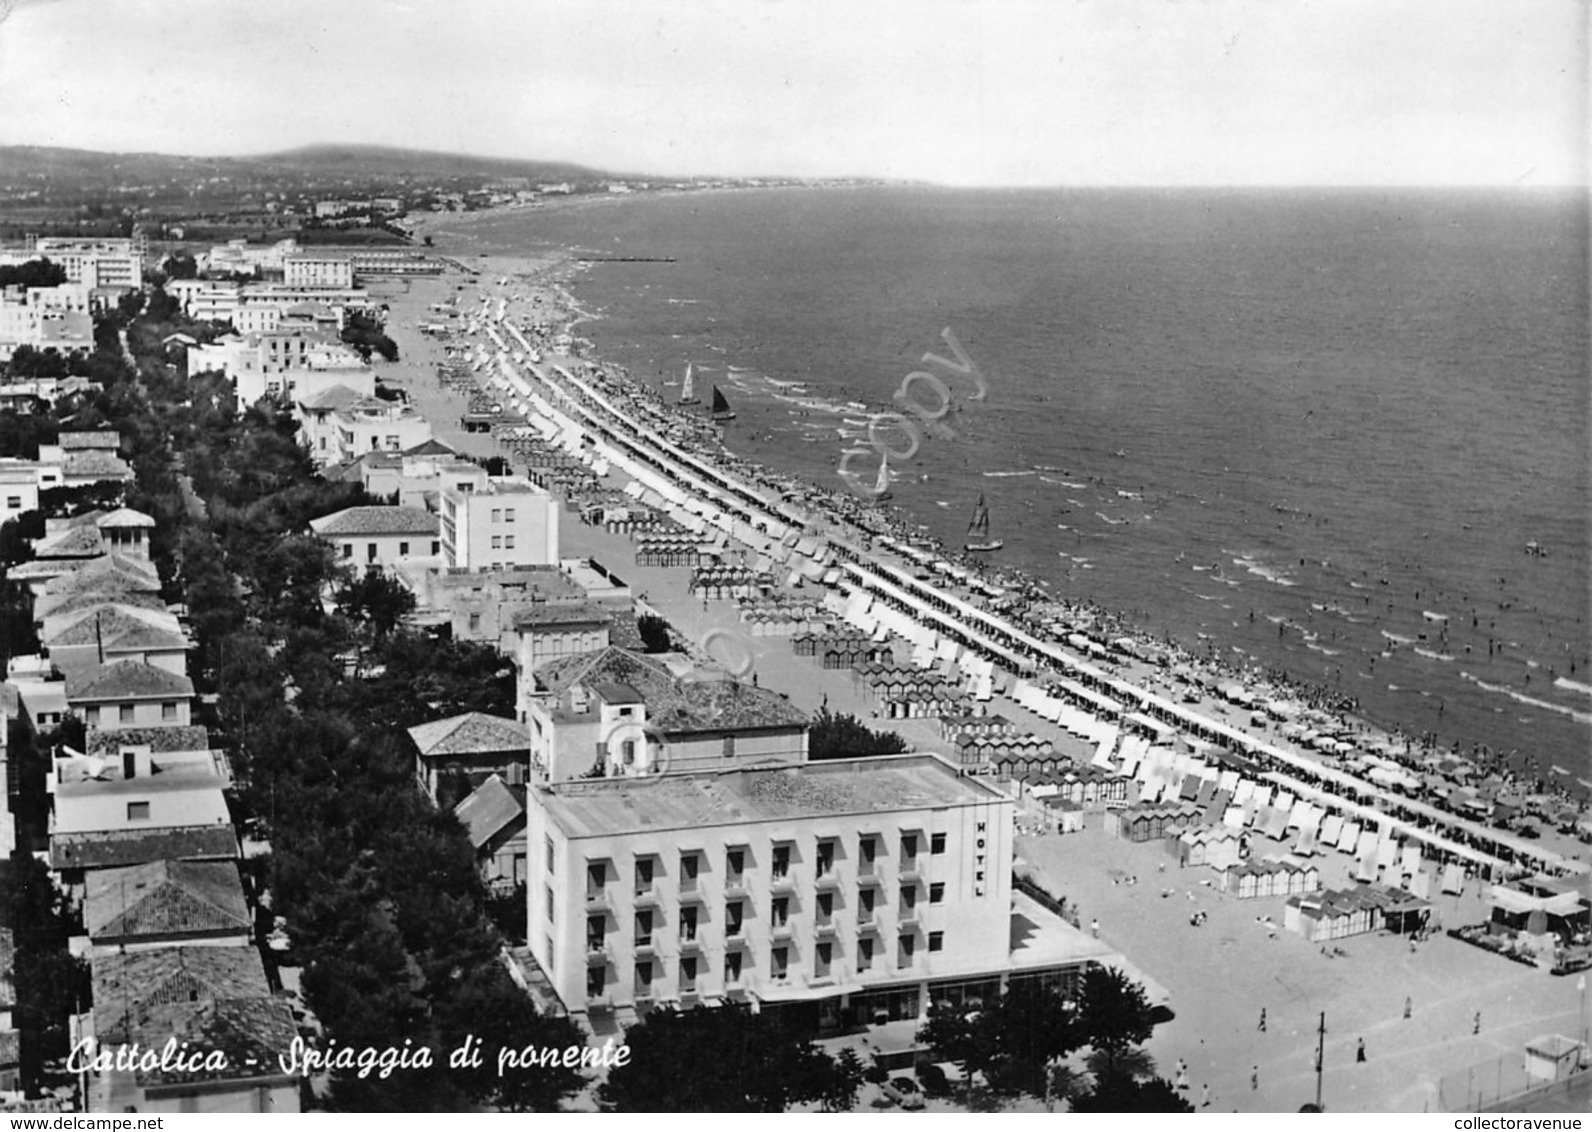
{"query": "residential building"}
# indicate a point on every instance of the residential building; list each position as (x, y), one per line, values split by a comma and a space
(138, 790)
(161, 903)
(628, 714)
(469, 749)
(105, 633)
(379, 538)
(338, 428)
(493, 817)
(130, 693)
(317, 269)
(507, 521)
(291, 361)
(211, 998)
(841, 893)
(546, 631)
(19, 488)
(95, 261)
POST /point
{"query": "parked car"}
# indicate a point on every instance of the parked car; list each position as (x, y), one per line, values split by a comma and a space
(904, 1091)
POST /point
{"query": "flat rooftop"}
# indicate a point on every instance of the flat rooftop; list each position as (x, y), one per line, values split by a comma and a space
(892, 784)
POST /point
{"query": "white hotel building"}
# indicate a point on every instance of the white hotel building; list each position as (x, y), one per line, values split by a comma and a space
(850, 892)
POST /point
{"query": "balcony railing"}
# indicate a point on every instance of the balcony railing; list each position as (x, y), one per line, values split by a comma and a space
(644, 942)
(779, 929)
(909, 869)
(597, 898)
(825, 929)
(828, 880)
(735, 884)
(646, 894)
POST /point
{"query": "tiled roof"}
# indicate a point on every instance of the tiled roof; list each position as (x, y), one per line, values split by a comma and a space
(108, 849)
(165, 899)
(127, 679)
(251, 1033)
(673, 706)
(131, 988)
(72, 603)
(74, 542)
(160, 740)
(470, 733)
(337, 397)
(376, 521)
(77, 441)
(111, 624)
(96, 462)
(431, 448)
(126, 517)
(110, 573)
(490, 807)
(560, 613)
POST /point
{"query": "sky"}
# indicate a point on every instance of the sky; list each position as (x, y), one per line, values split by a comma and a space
(971, 92)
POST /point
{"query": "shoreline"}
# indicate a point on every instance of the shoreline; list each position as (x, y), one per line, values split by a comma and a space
(555, 270)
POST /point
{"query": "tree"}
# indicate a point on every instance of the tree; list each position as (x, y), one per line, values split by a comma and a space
(489, 1008)
(844, 737)
(1011, 1041)
(377, 599)
(1120, 1092)
(654, 632)
(50, 984)
(723, 1059)
(33, 273)
(1113, 1014)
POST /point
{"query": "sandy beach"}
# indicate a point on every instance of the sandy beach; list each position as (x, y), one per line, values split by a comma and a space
(1220, 975)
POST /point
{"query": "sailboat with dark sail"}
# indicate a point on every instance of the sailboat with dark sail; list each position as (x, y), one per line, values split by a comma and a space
(721, 407)
(978, 527)
(688, 388)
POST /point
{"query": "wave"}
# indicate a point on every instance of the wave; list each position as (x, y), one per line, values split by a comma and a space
(1436, 618)
(1397, 639)
(1578, 716)
(1573, 686)
(1430, 655)
(1107, 518)
(1006, 475)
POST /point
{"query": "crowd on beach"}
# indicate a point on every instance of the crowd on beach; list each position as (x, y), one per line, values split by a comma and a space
(1021, 599)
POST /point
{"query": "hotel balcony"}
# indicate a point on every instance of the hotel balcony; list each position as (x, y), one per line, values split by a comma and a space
(909, 917)
(910, 869)
(780, 930)
(598, 899)
(644, 944)
(646, 895)
(690, 943)
(596, 948)
(735, 885)
(826, 929)
(828, 880)
(782, 882)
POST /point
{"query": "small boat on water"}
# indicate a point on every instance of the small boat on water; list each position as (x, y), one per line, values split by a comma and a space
(881, 484)
(979, 526)
(688, 388)
(721, 407)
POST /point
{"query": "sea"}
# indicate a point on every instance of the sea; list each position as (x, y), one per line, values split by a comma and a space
(1337, 435)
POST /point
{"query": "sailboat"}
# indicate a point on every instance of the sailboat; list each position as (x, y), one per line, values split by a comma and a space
(688, 388)
(721, 407)
(979, 526)
(881, 484)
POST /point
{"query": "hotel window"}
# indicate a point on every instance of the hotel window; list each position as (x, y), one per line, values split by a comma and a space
(779, 962)
(909, 850)
(865, 906)
(643, 875)
(550, 905)
(688, 871)
(823, 954)
(779, 913)
(596, 977)
(908, 945)
(909, 901)
(643, 976)
(826, 907)
(436, 546)
(826, 857)
(864, 954)
(508, 542)
(644, 928)
(497, 542)
(936, 941)
(508, 514)
(781, 866)
(732, 968)
(548, 845)
(596, 878)
(497, 515)
(937, 844)
(936, 892)
(734, 866)
(125, 712)
(403, 548)
(732, 918)
(688, 923)
(596, 929)
(867, 849)
(168, 712)
(138, 811)
(688, 973)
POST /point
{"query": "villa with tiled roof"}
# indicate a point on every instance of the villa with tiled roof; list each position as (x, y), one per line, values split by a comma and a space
(165, 902)
(473, 746)
(130, 693)
(379, 537)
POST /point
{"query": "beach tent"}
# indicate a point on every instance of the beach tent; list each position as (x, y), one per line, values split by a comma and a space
(1365, 868)
(1453, 879)
(1387, 853)
(1244, 792)
(1305, 843)
(1366, 846)
(1421, 884)
(1331, 829)
(1349, 837)
(1234, 818)
(1274, 822)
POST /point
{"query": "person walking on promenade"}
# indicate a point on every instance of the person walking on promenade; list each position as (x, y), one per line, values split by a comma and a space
(1254, 1079)
(1359, 1051)
(1475, 1023)
(1094, 927)
(1205, 1096)
(1262, 1026)
(1407, 1005)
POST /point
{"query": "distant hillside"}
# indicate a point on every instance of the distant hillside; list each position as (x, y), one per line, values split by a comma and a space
(317, 164)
